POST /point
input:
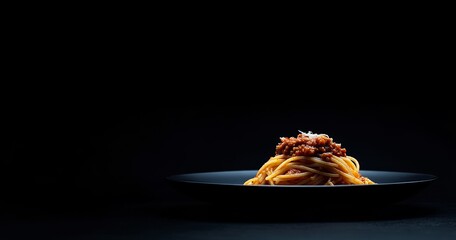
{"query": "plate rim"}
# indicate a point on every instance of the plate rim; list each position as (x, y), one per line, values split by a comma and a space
(430, 178)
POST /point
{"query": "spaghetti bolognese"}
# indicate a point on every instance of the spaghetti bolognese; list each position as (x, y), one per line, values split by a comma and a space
(309, 159)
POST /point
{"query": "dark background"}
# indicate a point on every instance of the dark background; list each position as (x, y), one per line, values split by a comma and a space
(101, 106)
(118, 148)
(90, 162)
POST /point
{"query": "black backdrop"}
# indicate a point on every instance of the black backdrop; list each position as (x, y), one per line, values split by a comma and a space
(118, 148)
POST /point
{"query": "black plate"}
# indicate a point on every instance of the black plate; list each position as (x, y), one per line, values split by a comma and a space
(227, 187)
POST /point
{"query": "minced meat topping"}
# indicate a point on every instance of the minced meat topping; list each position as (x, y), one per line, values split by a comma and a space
(310, 144)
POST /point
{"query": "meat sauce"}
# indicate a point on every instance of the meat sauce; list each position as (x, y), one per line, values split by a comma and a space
(310, 145)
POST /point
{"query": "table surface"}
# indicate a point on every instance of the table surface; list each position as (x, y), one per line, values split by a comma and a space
(194, 220)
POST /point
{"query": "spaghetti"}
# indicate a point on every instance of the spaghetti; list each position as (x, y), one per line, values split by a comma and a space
(309, 159)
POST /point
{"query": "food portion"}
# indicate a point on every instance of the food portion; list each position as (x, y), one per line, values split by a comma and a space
(309, 159)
